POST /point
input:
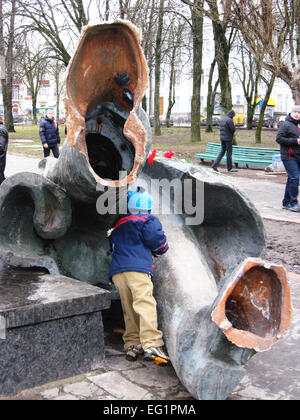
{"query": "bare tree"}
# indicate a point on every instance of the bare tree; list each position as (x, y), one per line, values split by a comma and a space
(135, 11)
(30, 67)
(271, 30)
(174, 59)
(6, 49)
(269, 84)
(158, 54)
(196, 9)
(148, 27)
(211, 95)
(223, 37)
(144, 14)
(106, 10)
(123, 5)
(197, 31)
(103, 8)
(249, 73)
(58, 23)
(57, 70)
(223, 44)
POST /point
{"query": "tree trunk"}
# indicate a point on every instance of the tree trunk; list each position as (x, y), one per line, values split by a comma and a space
(56, 76)
(262, 111)
(197, 22)
(171, 99)
(34, 119)
(222, 56)
(57, 107)
(250, 114)
(7, 91)
(210, 101)
(122, 11)
(157, 130)
(151, 111)
(296, 93)
(107, 10)
(148, 51)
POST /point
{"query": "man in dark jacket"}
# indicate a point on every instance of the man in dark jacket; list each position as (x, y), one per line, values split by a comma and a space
(288, 137)
(3, 149)
(227, 129)
(135, 239)
(49, 135)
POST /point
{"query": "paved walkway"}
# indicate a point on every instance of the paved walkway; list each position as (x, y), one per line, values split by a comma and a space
(267, 197)
(18, 163)
(273, 375)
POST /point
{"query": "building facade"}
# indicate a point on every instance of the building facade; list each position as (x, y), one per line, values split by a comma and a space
(22, 100)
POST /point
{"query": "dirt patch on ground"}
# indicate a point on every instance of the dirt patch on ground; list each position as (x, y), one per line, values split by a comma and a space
(283, 244)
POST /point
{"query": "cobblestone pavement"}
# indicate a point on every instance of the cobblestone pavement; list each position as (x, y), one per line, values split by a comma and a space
(272, 375)
(117, 380)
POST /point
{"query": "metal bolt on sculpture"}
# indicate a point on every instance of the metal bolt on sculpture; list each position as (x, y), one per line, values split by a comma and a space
(218, 302)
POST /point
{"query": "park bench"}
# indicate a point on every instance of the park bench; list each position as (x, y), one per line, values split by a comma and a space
(257, 156)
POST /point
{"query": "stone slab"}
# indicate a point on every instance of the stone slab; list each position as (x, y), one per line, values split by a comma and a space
(30, 297)
(53, 328)
(37, 354)
(121, 388)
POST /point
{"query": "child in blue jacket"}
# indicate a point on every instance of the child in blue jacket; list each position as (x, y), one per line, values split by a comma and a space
(135, 239)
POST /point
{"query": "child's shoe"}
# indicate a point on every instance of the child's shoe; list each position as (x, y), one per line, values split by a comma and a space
(133, 352)
(157, 355)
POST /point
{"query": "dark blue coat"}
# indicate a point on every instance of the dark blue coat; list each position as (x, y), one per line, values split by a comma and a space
(3, 150)
(134, 240)
(3, 140)
(287, 137)
(49, 132)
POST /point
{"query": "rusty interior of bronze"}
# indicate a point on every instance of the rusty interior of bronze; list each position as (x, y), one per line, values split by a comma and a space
(255, 303)
(106, 70)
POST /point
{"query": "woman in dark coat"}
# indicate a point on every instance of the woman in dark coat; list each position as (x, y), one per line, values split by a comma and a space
(3, 149)
(288, 137)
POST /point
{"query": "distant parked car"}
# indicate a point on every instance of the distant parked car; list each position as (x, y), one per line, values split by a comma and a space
(18, 119)
(268, 121)
(281, 120)
(215, 121)
(162, 122)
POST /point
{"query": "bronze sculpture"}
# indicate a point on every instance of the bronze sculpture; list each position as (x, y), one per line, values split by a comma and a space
(218, 302)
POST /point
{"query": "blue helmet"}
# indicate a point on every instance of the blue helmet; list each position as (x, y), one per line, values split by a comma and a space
(139, 199)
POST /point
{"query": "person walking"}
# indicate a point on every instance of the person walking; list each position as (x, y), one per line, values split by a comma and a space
(227, 129)
(288, 137)
(3, 149)
(49, 135)
(135, 239)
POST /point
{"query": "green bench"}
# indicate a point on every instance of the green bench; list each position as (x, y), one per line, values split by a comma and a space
(257, 156)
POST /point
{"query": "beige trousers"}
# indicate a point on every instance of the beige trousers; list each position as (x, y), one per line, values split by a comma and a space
(139, 309)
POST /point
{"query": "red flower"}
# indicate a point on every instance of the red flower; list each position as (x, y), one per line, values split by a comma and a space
(151, 157)
(169, 154)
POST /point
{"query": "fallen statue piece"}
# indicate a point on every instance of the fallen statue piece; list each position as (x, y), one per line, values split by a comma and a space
(218, 302)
